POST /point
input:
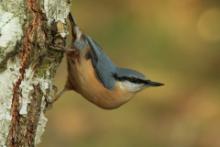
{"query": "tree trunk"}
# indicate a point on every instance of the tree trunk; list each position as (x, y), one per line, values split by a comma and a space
(28, 28)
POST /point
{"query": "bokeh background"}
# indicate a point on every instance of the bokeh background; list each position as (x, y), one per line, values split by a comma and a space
(176, 42)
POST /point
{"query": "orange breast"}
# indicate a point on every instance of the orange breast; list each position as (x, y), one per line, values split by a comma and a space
(85, 81)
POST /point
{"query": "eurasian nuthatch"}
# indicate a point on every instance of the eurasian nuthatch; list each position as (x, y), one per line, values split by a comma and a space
(92, 74)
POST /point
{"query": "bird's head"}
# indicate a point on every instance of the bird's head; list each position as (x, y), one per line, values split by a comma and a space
(133, 81)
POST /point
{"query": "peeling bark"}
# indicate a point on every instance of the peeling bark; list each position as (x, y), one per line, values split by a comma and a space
(28, 65)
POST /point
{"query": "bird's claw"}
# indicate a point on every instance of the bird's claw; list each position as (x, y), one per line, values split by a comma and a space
(62, 48)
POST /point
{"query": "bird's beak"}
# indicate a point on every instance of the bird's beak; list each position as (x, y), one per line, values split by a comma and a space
(154, 84)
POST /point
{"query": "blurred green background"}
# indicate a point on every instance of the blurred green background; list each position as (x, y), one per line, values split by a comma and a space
(171, 41)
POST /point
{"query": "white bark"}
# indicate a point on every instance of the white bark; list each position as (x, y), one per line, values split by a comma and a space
(36, 82)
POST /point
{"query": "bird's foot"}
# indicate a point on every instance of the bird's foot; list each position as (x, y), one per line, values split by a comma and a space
(62, 48)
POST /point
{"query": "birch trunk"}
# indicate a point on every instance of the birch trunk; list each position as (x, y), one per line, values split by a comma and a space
(28, 65)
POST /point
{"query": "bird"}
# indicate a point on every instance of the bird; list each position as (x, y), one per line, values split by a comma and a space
(93, 74)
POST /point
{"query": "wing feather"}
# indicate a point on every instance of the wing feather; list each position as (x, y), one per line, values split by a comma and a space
(103, 65)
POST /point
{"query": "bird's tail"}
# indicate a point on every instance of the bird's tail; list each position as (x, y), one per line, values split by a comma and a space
(72, 20)
(74, 27)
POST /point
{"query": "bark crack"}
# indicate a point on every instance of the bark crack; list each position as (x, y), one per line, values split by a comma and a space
(33, 116)
(15, 133)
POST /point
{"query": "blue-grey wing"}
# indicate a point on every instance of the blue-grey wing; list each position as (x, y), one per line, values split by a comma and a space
(103, 65)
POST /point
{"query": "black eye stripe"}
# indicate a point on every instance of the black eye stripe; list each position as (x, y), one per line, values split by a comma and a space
(131, 79)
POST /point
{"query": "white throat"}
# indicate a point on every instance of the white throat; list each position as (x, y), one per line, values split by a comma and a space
(131, 87)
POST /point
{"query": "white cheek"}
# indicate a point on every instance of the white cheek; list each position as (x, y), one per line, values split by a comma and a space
(131, 87)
